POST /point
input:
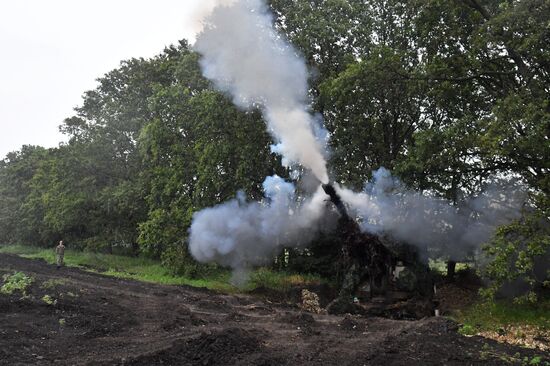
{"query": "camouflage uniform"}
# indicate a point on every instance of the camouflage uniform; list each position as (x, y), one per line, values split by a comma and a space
(59, 254)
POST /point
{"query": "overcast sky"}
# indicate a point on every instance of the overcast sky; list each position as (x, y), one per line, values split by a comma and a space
(52, 51)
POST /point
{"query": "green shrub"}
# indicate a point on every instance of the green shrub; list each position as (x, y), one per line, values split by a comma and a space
(467, 330)
(279, 280)
(16, 282)
(520, 252)
(49, 300)
(180, 262)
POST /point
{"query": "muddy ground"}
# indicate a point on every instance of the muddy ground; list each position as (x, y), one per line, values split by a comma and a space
(92, 319)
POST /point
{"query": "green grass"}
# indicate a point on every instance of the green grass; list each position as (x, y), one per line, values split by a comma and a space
(148, 270)
(491, 316)
(281, 281)
(138, 268)
(440, 266)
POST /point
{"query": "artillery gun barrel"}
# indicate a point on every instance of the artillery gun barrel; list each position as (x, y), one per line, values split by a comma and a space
(336, 200)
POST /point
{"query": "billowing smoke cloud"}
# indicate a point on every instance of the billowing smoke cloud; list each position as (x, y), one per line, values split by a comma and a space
(388, 207)
(198, 10)
(243, 55)
(242, 234)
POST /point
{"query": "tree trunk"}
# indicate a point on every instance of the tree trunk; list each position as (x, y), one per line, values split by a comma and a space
(451, 270)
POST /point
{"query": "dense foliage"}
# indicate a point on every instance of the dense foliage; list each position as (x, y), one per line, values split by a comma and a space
(446, 94)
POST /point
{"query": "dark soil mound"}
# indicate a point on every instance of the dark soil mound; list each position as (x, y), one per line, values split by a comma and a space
(299, 319)
(350, 324)
(232, 346)
(90, 319)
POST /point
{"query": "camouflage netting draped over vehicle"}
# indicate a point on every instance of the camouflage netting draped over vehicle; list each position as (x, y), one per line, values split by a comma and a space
(381, 276)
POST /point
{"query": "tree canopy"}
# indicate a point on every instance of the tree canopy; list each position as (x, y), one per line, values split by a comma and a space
(445, 94)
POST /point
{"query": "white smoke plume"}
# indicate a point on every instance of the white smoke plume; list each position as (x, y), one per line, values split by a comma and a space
(387, 207)
(198, 10)
(242, 234)
(243, 55)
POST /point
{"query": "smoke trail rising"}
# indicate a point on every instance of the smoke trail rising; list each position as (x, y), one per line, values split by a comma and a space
(198, 10)
(243, 55)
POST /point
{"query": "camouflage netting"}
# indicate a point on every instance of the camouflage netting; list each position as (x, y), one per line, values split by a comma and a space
(380, 276)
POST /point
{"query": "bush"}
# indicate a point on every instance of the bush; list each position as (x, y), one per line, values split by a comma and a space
(16, 282)
(520, 259)
(180, 262)
(280, 280)
(467, 330)
(49, 300)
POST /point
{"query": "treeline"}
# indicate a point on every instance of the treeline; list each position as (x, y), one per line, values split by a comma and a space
(445, 94)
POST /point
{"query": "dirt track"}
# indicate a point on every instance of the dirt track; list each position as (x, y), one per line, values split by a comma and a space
(108, 321)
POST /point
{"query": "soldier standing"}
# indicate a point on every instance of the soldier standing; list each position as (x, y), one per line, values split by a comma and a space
(59, 254)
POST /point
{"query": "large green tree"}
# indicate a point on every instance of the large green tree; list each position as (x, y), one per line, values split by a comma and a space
(17, 170)
(198, 151)
(446, 94)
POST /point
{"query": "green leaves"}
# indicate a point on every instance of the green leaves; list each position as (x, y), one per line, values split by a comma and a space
(201, 155)
(372, 110)
(18, 281)
(446, 94)
(520, 251)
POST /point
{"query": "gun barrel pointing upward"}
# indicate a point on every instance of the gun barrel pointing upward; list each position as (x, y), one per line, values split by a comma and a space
(335, 199)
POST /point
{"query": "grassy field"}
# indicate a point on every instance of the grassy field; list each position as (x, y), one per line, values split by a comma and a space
(497, 316)
(525, 325)
(148, 270)
(494, 316)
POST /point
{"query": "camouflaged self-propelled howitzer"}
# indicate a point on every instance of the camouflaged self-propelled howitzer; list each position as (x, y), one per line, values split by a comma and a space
(381, 277)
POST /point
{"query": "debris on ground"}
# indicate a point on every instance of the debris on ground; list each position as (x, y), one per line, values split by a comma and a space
(117, 321)
(310, 302)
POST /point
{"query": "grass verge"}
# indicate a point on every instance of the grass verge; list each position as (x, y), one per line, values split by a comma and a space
(148, 270)
(280, 281)
(496, 315)
(526, 325)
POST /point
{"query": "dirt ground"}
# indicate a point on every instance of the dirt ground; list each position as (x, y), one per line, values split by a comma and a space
(97, 320)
